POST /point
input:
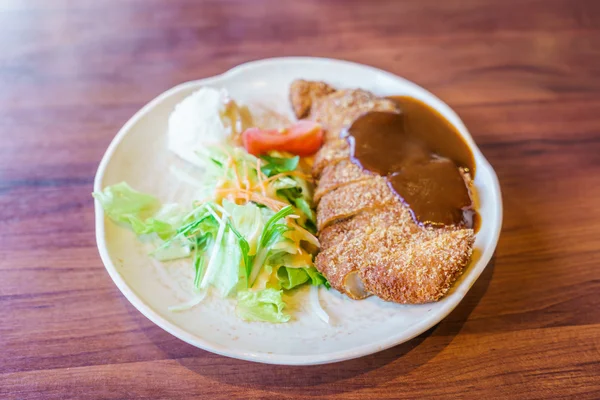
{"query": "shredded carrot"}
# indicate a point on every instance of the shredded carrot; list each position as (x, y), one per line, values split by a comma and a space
(246, 180)
(260, 174)
(237, 193)
(292, 173)
(274, 177)
(237, 174)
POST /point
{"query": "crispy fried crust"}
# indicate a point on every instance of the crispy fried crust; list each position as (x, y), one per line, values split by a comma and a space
(343, 246)
(303, 93)
(338, 109)
(365, 223)
(331, 152)
(395, 259)
(351, 199)
(416, 269)
(339, 174)
(338, 265)
(364, 229)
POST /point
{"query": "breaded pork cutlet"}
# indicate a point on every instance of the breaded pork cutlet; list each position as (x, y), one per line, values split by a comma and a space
(370, 243)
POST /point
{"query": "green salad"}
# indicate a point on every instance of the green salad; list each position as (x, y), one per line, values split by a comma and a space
(249, 235)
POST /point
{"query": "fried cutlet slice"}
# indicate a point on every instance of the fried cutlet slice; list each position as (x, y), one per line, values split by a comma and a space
(351, 199)
(365, 222)
(380, 251)
(302, 94)
(340, 262)
(331, 152)
(339, 109)
(343, 248)
(416, 269)
(370, 243)
(339, 174)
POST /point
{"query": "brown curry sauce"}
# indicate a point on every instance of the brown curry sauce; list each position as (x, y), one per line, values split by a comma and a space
(420, 153)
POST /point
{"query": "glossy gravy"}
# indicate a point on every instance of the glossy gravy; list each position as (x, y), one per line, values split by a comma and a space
(420, 153)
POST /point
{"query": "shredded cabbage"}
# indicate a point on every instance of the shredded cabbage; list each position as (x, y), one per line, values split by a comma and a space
(249, 235)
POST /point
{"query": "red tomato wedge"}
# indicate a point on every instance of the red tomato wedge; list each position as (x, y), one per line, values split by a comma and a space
(303, 139)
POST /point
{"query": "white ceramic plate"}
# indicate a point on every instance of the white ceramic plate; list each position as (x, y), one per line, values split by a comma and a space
(138, 156)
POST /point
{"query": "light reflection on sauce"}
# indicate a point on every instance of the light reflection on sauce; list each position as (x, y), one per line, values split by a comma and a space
(420, 153)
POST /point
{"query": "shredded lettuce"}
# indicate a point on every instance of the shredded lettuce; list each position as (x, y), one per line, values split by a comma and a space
(172, 250)
(164, 223)
(236, 244)
(226, 279)
(248, 219)
(245, 252)
(299, 198)
(264, 305)
(272, 232)
(215, 257)
(197, 232)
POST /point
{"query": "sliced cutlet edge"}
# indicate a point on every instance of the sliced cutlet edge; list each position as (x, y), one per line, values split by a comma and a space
(343, 246)
(366, 221)
(303, 93)
(340, 264)
(338, 174)
(339, 109)
(333, 151)
(350, 199)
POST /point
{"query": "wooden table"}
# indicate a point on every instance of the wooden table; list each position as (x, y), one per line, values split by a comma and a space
(523, 74)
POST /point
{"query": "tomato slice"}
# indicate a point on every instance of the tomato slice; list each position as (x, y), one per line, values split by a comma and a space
(303, 139)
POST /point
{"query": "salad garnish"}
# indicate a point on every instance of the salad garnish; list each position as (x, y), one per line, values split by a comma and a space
(249, 236)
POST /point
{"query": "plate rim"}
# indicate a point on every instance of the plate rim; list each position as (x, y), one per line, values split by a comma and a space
(273, 358)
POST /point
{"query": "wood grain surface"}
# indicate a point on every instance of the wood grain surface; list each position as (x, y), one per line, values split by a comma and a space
(523, 74)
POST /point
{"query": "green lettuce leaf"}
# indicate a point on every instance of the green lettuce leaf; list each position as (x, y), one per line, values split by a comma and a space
(271, 234)
(198, 232)
(290, 278)
(311, 218)
(298, 196)
(228, 261)
(277, 165)
(265, 305)
(164, 223)
(248, 220)
(124, 204)
(151, 225)
(178, 247)
(316, 278)
(140, 211)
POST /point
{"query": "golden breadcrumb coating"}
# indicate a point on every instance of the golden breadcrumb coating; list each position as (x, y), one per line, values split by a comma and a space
(339, 109)
(339, 174)
(331, 152)
(350, 199)
(302, 94)
(365, 230)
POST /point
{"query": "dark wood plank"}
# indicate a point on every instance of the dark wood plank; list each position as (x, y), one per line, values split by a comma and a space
(559, 360)
(523, 74)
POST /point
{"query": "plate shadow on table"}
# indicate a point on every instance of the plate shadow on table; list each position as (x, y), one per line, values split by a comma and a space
(367, 371)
